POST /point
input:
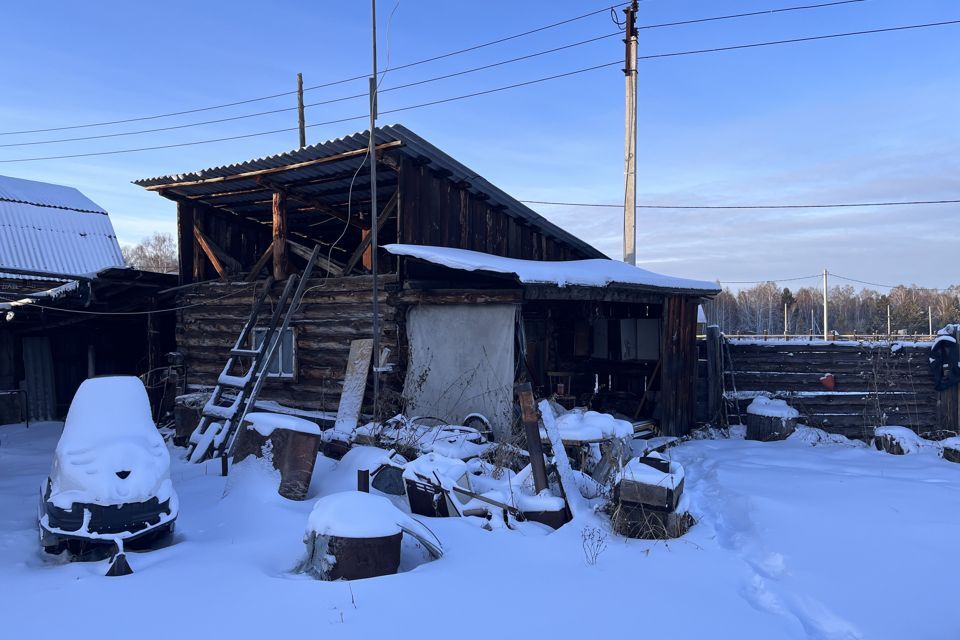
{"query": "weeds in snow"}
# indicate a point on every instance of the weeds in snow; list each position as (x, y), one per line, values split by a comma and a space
(594, 543)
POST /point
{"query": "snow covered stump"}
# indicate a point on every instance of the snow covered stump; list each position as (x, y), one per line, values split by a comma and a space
(351, 536)
(769, 419)
(293, 443)
(646, 497)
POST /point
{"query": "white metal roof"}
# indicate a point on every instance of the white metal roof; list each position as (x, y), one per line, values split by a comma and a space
(50, 228)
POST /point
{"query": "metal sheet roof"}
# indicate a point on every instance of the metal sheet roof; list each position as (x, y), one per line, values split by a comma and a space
(412, 145)
(51, 228)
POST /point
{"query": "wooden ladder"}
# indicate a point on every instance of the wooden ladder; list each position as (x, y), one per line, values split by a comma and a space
(235, 394)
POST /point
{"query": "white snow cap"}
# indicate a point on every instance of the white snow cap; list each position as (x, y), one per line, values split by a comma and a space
(265, 423)
(109, 430)
(589, 273)
(354, 514)
(763, 406)
(580, 425)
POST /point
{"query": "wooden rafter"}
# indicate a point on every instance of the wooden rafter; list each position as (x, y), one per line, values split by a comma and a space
(260, 264)
(388, 210)
(327, 265)
(221, 261)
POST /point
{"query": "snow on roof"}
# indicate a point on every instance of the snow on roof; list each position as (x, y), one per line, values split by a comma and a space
(589, 273)
(51, 228)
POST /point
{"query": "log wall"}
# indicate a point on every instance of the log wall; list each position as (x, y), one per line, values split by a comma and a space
(876, 384)
(333, 313)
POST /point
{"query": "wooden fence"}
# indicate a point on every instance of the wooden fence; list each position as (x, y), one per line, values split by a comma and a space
(875, 383)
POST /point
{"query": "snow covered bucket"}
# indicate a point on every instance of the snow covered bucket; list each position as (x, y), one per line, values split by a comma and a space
(293, 443)
(351, 536)
(769, 419)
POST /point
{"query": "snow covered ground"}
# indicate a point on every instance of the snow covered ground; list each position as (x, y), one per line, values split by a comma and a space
(794, 541)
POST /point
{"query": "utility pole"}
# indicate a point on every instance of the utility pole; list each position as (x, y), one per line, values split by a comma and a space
(301, 118)
(826, 330)
(786, 325)
(372, 158)
(630, 141)
(930, 319)
(888, 321)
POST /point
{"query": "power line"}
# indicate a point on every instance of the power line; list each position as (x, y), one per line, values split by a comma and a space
(774, 280)
(404, 66)
(795, 40)
(418, 82)
(887, 286)
(29, 304)
(320, 103)
(480, 93)
(749, 14)
(747, 206)
(316, 124)
(318, 86)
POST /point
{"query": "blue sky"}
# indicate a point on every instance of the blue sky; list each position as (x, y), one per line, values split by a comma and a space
(867, 118)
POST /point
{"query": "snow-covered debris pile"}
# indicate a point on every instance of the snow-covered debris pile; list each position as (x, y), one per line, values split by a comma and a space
(647, 496)
(581, 425)
(951, 449)
(266, 423)
(815, 437)
(413, 436)
(902, 440)
(770, 419)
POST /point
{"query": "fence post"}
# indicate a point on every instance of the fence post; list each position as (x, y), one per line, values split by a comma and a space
(714, 373)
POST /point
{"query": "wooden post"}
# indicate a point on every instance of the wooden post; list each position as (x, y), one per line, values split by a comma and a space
(185, 241)
(678, 365)
(281, 254)
(531, 428)
(714, 373)
(301, 117)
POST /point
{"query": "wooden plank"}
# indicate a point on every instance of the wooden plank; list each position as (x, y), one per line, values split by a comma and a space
(280, 255)
(354, 385)
(201, 240)
(327, 265)
(261, 263)
(365, 242)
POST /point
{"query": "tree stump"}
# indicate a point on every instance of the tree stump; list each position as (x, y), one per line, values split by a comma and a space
(769, 419)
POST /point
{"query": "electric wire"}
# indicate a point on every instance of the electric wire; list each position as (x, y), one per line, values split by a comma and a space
(33, 305)
(480, 93)
(418, 82)
(838, 205)
(317, 86)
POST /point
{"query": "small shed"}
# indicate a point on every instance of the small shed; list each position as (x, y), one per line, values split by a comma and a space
(69, 309)
(478, 290)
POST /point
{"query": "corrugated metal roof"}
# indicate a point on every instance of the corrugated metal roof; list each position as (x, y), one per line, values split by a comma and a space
(412, 145)
(51, 228)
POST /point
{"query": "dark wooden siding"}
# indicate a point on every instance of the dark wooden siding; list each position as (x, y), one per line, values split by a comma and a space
(439, 212)
(875, 385)
(333, 314)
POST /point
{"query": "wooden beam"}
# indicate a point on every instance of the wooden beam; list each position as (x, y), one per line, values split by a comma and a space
(280, 253)
(260, 264)
(327, 265)
(365, 242)
(208, 250)
(231, 264)
(263, 172)
(185, 226)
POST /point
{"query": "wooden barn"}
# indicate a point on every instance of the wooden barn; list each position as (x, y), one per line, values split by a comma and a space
(69, 309)
(478, 291)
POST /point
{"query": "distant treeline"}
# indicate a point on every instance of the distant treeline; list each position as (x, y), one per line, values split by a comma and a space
(760, 309)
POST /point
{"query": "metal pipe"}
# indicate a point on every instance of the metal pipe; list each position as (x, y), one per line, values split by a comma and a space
(374, 246)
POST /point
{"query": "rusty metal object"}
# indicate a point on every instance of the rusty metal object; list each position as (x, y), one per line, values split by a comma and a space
(294, 456)
(531, 428)
(359, 558)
